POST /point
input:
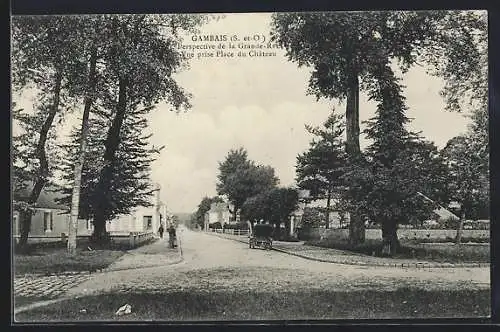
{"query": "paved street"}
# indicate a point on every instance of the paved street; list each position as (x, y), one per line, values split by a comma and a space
(50, 287)
(212, 263)
(47, 287)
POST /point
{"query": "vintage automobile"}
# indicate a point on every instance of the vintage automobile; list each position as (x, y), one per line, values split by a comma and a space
(261, 236)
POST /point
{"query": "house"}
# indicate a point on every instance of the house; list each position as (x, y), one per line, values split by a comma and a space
(219, 212)
(336, 220)
(142, 218)
(50, 221)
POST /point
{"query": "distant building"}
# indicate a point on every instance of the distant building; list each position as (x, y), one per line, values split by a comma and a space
(335, 218)
(219, 212)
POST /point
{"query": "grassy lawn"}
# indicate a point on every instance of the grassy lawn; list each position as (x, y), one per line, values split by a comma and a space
(46, 260)
(448, 252)
(227, 305)
(437, 252)
(20, 301)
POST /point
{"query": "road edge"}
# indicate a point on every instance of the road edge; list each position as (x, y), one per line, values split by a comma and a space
(428, 265)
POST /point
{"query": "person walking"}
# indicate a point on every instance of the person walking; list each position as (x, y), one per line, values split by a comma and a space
(171, 236)
(160, 231)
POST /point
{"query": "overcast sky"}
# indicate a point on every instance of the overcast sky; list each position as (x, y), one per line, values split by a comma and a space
(260, 104)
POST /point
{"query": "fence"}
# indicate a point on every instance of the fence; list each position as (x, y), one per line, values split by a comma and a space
(137, 239)
(239, 232)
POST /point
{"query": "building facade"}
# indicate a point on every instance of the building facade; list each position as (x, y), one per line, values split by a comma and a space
(219, 212)
(51, 220)
(142, 219)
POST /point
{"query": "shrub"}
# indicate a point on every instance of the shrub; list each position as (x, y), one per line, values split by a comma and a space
(238, 226)
(215, 225)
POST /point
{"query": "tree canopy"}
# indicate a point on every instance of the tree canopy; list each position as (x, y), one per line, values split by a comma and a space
(240, 178)
(346, 50)
(203, 208)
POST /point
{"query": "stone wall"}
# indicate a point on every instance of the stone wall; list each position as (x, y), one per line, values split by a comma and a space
(409, 234)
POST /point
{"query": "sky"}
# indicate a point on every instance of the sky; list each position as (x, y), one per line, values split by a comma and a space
(260, 104)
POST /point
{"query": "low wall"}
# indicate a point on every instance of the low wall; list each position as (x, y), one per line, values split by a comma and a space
(403, 234)
(138, 239)
(131, 239)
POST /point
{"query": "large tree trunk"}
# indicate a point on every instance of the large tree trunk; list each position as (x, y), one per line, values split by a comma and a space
(112, 143)
(43, 170)
(25, 227)
(390, 239)
(75, 198)
(356, 225)
(328, 201)
(460, 228)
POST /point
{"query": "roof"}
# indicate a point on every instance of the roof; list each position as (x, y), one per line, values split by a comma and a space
(445, 214)
(218, 207)
(47, 198)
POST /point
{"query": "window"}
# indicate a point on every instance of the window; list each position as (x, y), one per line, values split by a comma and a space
(148, 222)
(48, 222)
(90, 225)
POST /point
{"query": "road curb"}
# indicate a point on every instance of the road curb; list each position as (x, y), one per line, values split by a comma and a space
(62, 274)
(388, 264)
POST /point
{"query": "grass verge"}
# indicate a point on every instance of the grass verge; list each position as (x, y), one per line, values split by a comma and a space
(20, 301)
(57, 260)
(436, 252)
(227, 305)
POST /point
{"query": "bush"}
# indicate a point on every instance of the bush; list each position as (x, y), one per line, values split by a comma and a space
(238, 226)
(450, 239)
(308, 233)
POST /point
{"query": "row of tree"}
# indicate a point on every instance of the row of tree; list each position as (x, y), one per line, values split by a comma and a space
(112, 70)
(353, 52)
(252, 190)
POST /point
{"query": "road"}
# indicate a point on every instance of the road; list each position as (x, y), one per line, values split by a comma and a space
(213, 263)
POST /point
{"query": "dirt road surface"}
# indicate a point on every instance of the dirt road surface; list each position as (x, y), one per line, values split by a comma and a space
(213, 263)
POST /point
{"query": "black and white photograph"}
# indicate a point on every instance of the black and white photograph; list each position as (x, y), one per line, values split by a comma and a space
(246, 167)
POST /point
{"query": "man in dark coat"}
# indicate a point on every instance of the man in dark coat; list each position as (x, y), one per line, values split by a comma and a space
(160, 231)
(171, 235)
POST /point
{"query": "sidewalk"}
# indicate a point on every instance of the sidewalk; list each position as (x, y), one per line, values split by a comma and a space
(155, 254)
(329, 255)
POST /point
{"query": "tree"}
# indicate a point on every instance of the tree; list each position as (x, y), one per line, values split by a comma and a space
(312, 216)
(344, 49)
(398, 166)
(91, 33)
(256, 208)
(131, 182)
(468, 178)
(203, 208)
(44, 57)
(240, 178)
(141, 58)
(273, 205)
(320, 168)
(282, 203)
